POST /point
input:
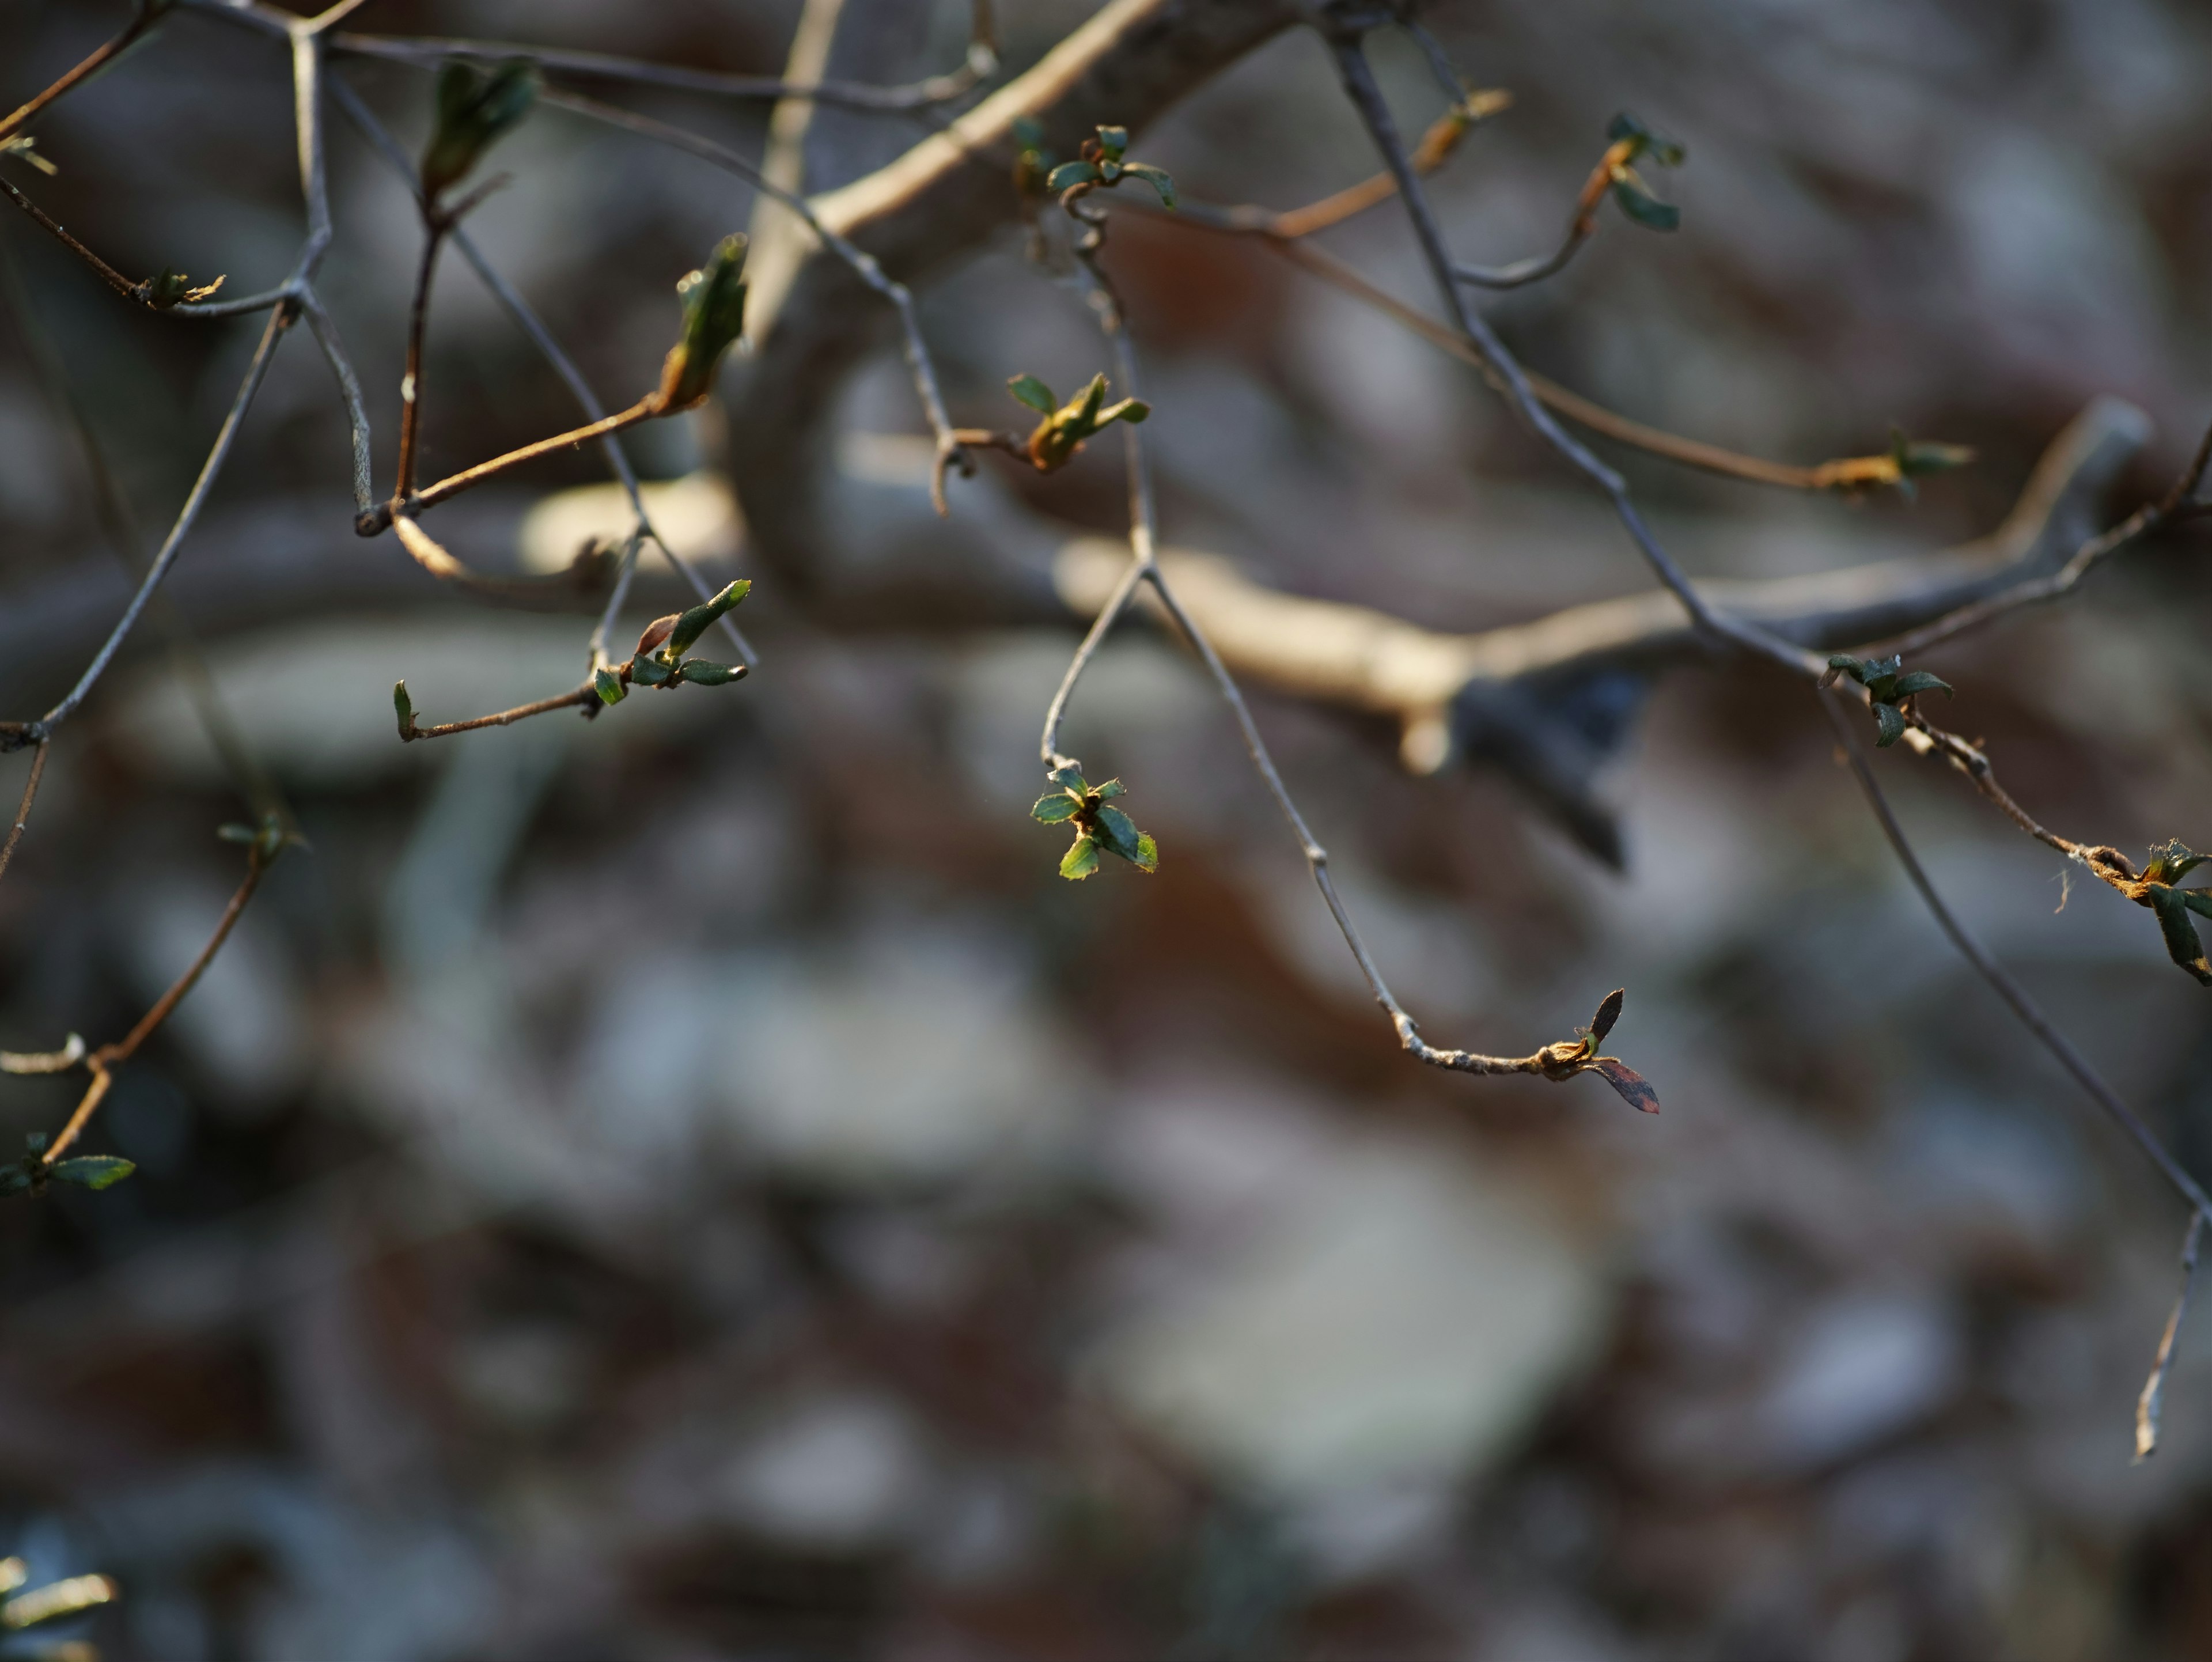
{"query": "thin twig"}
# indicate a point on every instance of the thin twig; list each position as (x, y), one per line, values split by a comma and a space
(113, 278)
(105, 1059)
(1842, 473)
(863, 264)
(100, 58)
(279, 320)
(23, 807)
(387, 149)
(429, 51)
(1558, 1061)
(2154, 1390)
(2179, 503)
(2030, 1014)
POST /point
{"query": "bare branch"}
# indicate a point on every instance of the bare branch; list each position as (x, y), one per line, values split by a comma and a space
(2148, 1405)
(23, 807)
(2016, 997)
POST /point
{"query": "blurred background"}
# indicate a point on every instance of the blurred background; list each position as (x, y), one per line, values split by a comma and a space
(697, 1184)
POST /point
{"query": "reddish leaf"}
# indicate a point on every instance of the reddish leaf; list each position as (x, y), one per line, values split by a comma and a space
(1635, 1090)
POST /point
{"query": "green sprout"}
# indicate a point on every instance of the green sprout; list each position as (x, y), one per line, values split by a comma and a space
(1888, 689)
(714, 299)
(474, 110)
(660, 659)
(175, 288)
(1097, 825)
(1101, 167)
(1066, 426)
(2160, 892)
(1631, 141)
(1915, 458)
(31, 1174)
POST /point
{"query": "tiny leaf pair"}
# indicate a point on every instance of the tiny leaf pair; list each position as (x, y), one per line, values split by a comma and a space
(474, 110)
(1889, 686)
(1631, 141)
(32, 1173)
(1565, 1061)
(2168, 865)
(660, 659)
(1098, 826)
(1066, 426)
(714, 317)
(1101, 167)
(175, 288)
(270, 838)
(1915, 458)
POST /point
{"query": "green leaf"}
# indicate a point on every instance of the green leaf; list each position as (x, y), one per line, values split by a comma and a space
(1919, 681)
(1666, 152)
(1148, 856)
(1917, 457)
(1118, 832)
(1156, 177)
(2172, 860)
(1051, 810)
(404, 707)
(649, 672)
(691, 624)
(1069, 174)
(2197, 900)
(1113, 141)
(1068, 778)
(1845, 664)
(1110, 789)
(1029, 390)
(93, 1171)
(13, 1180)
(237, 833)
(1889, 723)
(474, 109)
(700, 672)
(609, 685)
(1029, 132)
(1645, 209)
(1081, 413)
(714, 299)
(2181, 943)
(1881, 677)
(1608, 1014)
(1080, 860)
(1129, 409)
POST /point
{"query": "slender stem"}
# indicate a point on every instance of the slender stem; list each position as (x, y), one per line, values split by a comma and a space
(644, 410)
(356, 408)
(2030, 1014)
(105, 1059)
(1280, 235)
(618, 461)
(586, 696)
(99, 58)
(411, 388)
(2178, 504)
(2148, 1405)
(1366, 98)
(23, 807)
(279, 320)
(428, 50)
(863, 264)
(1557, 1061)
(113, 278)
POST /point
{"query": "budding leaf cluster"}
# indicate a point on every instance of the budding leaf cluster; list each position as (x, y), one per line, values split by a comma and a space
(31, 1173)
(1566, 1060)
(2169, 864)
(474, 110)
(175, 288)
(1631, 141)
(1101, 166)
(1099, 826)
(1066, 426)
(660, 659)
(1888, 687)
(1915, 458)
(714, 299)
